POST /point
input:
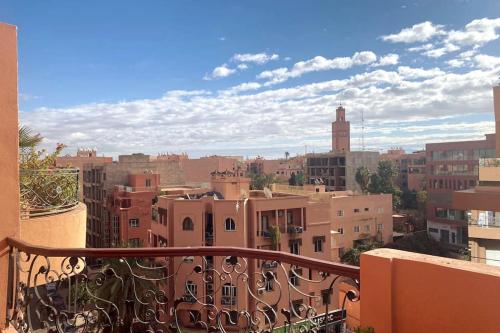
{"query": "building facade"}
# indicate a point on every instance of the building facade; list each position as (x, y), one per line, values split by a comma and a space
(452, 166)
(83, 156)
(411, 168)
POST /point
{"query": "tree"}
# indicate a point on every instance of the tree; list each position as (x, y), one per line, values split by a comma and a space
(383, 182)
(292, 181)
(363, 178)
(287, 155)
(27, 139)
(258, 182)
(353, 255)
(421, 198)
(420, 242)
(299, 179)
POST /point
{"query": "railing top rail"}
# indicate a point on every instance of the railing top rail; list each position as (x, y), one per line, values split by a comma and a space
(301, 261)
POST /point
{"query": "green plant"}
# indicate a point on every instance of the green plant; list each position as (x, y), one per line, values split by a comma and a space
(363, 178)
(353, 255)
(275, 236)
(42, 185)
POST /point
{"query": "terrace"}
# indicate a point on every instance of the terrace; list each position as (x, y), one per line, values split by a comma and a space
(53, 285)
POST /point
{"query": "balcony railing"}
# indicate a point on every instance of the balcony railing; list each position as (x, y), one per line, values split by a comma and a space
(144, 289)
(489, 162)
(48, 191)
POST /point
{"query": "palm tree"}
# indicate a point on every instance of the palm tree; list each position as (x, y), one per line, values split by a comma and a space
(27, 139)
(287, 154)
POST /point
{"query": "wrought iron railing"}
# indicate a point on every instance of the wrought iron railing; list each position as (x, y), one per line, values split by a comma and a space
(47, 191)
(157, 290)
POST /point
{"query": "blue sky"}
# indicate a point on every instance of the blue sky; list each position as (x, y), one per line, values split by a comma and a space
(260, 77)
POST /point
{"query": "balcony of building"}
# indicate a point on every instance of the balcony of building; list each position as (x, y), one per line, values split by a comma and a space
(245, 290)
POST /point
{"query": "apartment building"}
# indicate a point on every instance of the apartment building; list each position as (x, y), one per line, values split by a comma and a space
(452, 166)
(99, 181)
(411, 168)
(282, 169)
(482, 204)
(83, 156)
(309, 222)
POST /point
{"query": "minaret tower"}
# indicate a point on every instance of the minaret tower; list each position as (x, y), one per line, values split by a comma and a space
(341, 132)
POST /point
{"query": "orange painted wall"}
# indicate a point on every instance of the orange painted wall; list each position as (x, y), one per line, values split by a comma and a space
(414, 293)
(496, 106)
(9, 182)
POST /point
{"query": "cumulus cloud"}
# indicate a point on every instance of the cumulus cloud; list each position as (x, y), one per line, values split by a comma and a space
(474, 35)
(258, 58)
(316, 64)
(202, 122)
(420, 32)
(220, 72)
(387, 60)
(487, 61)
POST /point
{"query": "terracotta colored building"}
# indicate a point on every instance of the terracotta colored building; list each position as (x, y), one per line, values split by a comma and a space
(452, 166)
(83, 156)
(314, 224)
(341, 132)
(281, 168)
(411, 167)
(483, 205)
(337, 169)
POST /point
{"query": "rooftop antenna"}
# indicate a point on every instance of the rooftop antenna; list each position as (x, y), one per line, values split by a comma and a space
(362, 130)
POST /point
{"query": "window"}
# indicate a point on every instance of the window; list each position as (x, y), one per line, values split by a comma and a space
(340, 213)
(380, 210)
(228, 290)
(367, 227)
(194, 316)
(380, 227)
(187, 224)
(297, 307)
(134, 223)
(341, 231)
(367, 209)
(269, 282)
(294, 276)
(356, 210)
(289, 217)
(318, 243)
(229, 224)
(270, 313)
(134, 242)
(294, 247)
(264, 223)
(356, 228)
(191, 288)
(434, 230)
(148, 182)
(326, 296)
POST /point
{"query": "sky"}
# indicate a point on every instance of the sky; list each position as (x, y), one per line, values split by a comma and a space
(254, 77)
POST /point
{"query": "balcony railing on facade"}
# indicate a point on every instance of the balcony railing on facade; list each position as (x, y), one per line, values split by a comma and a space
(144, 289)
(47, 191)
(489, 162)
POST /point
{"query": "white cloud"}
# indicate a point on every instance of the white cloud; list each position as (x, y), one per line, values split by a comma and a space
(220, 72)
(476, 33)
(316, 64)
(487, 61)
(456, 63)
(387, 60)
(421, 32)
(439, 52)
(424, 47)
(242, 67)
(274, 120)
(415, 73)
(258, 58)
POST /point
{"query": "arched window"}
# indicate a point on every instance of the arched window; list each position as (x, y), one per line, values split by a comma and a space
(230, 225)
(187, 224)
